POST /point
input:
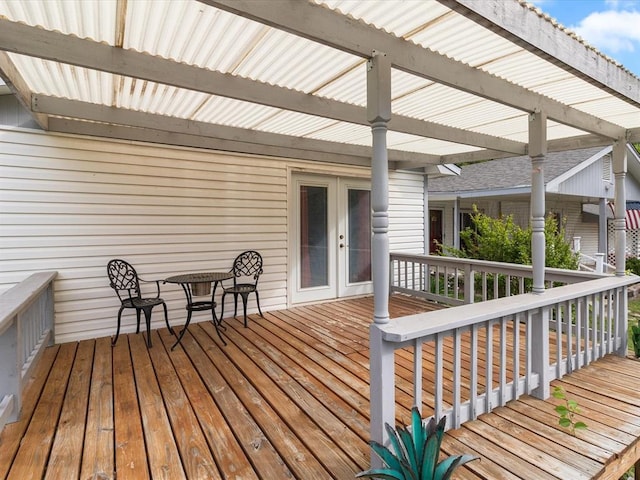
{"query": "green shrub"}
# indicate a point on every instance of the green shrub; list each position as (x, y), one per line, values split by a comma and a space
(633, 265)
(501, 240)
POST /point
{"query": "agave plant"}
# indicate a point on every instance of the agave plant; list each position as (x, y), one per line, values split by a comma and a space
(413, 453)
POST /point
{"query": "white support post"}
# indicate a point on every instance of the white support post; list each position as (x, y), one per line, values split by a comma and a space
(537, 152)
(620, 171)
(602, 226)
(540, 352)
(456, 223)
(382, 389)
(427, 217)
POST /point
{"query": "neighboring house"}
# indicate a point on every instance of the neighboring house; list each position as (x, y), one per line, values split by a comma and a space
(579, 187)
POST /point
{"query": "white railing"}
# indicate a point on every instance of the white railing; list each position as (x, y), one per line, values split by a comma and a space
(456, 281)
(482, 355)
(26, 327)
(599, 265)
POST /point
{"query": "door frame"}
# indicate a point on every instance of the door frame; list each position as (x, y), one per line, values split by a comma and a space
(337, 188)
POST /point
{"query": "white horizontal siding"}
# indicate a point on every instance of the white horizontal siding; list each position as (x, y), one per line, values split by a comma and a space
(589, 182)
(406, 212)
(71, 203)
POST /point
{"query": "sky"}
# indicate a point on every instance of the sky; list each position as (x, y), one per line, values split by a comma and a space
(611, 26)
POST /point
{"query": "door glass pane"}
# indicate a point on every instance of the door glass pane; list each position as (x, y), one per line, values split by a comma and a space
(314, 256)
(359, 236)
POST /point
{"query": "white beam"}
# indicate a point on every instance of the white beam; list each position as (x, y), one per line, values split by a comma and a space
(55, 46)
(518, 23)
(559, 145)
(14, 81)
(323, 25)
(122, 132)
(120, 116)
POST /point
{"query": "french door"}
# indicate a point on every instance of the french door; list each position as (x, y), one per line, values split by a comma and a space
(331, 240)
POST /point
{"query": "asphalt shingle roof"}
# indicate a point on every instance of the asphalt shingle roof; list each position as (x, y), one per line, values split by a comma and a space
(508, 172)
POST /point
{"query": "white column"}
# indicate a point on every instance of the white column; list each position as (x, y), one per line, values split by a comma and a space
(602, 226)
(537, 152)
(619, 155)
(427, 217)
(540, 328)
(382, 389)
(456, 223)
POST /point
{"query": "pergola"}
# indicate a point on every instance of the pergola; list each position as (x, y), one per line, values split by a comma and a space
(436, 81)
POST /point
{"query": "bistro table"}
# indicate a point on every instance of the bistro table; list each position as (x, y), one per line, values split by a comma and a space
(199, 284)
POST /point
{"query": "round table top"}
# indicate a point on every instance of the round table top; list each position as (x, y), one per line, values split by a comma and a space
(199, 277)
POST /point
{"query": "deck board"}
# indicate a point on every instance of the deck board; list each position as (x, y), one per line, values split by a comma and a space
(288, 397)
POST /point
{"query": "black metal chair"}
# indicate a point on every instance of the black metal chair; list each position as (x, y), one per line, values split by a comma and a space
(124, 279)
(246, 271)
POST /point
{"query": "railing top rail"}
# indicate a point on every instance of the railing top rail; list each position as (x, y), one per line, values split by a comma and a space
(22, 295)
(424, 324)
(552, 274)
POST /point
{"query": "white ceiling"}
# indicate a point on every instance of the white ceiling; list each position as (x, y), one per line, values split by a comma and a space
(288, 77)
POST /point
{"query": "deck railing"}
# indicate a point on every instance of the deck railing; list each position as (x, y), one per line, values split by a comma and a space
(489, 353)
(456, 281)
(26, 327)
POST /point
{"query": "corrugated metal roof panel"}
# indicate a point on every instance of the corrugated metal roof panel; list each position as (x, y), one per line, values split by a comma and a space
(193, 33)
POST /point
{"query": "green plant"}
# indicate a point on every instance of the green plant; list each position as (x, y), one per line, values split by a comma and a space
(567, 412)
(635, 338)
(632, 265)
(413, 453)
(502, 240)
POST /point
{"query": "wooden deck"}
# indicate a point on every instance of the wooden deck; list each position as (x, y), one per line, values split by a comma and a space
(287, 398)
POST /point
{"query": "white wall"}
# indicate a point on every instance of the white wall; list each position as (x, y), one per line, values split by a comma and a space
(72, 203)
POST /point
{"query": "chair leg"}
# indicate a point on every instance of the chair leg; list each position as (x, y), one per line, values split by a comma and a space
(115, 340)
(147, 318)
(222, 309)
(245, 298)
(137, 320)
(235, 305)
(166, 319)
(258, 302)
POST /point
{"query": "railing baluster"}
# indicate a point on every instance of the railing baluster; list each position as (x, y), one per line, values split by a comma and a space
(457, 357)
(473, 394)
(484, 287)
(611, 327)
(579, 334)
(561, 313)
(516, 356)
(417, 373)
(503, 361)
(445, 279)
(489, 366)
(438, 399)
(603, 330)
(528, 367)
(456, 288)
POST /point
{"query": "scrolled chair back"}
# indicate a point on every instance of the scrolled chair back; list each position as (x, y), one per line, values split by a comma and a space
(123, 277)
(248, 264)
